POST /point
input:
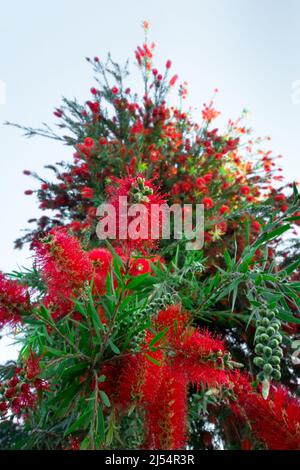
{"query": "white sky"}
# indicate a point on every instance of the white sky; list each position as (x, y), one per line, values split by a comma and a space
(249, 50)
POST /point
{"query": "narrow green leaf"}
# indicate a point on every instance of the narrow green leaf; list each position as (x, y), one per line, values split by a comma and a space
(158, 337)
(104, 398)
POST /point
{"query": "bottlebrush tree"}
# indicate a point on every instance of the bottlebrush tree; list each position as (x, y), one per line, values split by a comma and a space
(142, 344)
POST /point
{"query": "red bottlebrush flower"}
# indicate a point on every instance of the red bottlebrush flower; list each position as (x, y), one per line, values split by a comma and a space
(135, 382)
(115, 90)
(3, 407)
(186, 186)
(14, 301)
(209, 113)
(141, 231)
(166, 417)
(94, 107)
(64, 266)
(74, 443)
(93, 91)
(245, 190)
(28, 192)
(207, 237)
(200, 182)
(256, 227)
(208, 177)
(221, 227)
(208, 203)
(224, 210)
(89, 142)
(101, 259)
(279, 197)
(246, 444)
(13, 381)
(225, 186)
(32, 366)
(139, 266)
(26, 172)
(176, 189)
(87, 193)
(10, 393)
(84, 149)
(25, 388)
(58, 113)
(41, 384)
(275, 421)
(172, 317)
(168, 64)
(173, 80)
(195, 351)
(146, 25)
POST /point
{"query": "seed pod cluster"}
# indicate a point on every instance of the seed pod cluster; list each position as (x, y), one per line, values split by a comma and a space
(268, 345)
(139, 191)
(142, 316)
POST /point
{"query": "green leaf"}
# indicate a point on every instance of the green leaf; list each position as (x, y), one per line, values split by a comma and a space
(81, 423)
(94, 315)
(158, 337)
(151, 359)
(292, 267)
(227, 259)
(100, 423)
(270, 235)
(81, 309)
(288, 317)
(104, 398)
(113, 347)
(53, 352)
(45, 313)
(142, 279)
(115, 254)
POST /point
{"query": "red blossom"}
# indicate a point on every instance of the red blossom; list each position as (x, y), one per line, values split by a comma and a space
(14, 301)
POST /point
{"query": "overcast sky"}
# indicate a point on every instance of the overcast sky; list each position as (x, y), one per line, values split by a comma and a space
(249, 50)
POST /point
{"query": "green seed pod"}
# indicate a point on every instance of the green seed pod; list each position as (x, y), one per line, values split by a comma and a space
(273, 343)
(263, 338)
(263, 313)
(258, 361)
(260, 376)
(275, 360)
(270, 315)
(270, 331)
(276, 374)
(268, 369)
(276, 324)
(267, 351)
(260, 330)
(265, 321)
(278, 352)
(259, 349)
